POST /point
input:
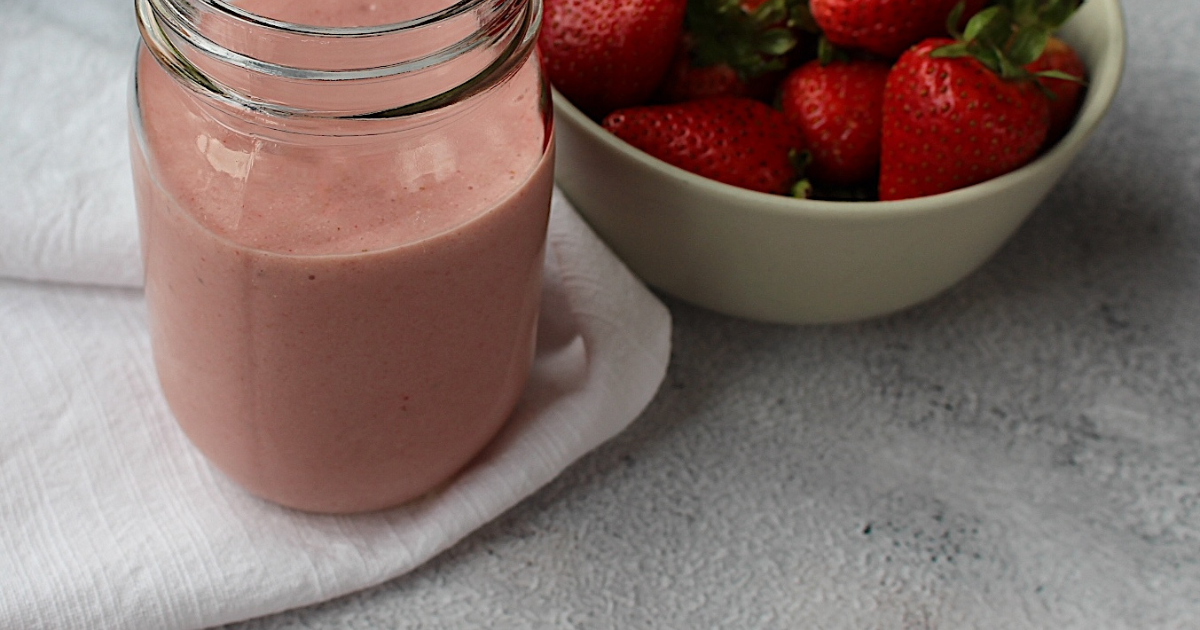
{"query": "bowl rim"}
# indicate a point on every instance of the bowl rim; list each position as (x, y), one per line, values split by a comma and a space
(1105, 79)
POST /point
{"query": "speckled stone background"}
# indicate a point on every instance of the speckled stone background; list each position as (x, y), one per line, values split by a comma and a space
(1022, 452)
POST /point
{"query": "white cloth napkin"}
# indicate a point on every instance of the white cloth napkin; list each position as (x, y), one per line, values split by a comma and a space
(108, 517)
(66, 199)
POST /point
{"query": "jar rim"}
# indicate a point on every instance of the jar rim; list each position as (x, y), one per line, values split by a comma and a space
(161, 21)
(235, 12)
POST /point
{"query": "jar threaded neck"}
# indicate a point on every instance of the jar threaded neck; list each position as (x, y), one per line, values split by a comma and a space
(234, 56)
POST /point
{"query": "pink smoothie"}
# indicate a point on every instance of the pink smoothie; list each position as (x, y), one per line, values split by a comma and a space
(341, 323)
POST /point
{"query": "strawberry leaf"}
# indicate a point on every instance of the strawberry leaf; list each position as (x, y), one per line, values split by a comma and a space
(1024, 7)
(990, 57)
(955, 18)
(951, 51)
(1059, 74)
(1027, 45)
(771, 12)
(1008, 69)
(776, 41)
(992, 25)
(1056, 12)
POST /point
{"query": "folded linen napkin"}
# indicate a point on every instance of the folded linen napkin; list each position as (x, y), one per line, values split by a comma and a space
(108, 517)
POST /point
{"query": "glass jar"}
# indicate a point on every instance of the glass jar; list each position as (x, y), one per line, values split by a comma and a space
(343, 211)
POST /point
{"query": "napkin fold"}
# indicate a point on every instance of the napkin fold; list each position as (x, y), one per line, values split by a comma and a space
(108, 517)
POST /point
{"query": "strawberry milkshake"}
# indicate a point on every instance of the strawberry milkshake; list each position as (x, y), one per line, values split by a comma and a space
(342, 301)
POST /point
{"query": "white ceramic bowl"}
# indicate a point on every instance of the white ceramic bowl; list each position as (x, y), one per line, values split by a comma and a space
(780, 259)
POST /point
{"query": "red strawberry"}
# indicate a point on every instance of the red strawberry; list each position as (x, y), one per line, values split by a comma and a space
(738, 141)
(885, 27)
(610, 54)
(949, 122)
(685, 81)
(839, 110)
(688, 82)
(1068, 95)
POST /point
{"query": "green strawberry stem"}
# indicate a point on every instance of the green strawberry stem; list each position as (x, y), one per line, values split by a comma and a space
(800, 161)
(754, 41)
(1009, 35)
(802, 189)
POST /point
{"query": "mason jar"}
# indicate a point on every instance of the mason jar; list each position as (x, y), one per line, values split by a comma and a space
(343, 210)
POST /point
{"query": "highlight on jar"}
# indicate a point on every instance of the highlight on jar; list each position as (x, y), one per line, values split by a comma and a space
(343, 211)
